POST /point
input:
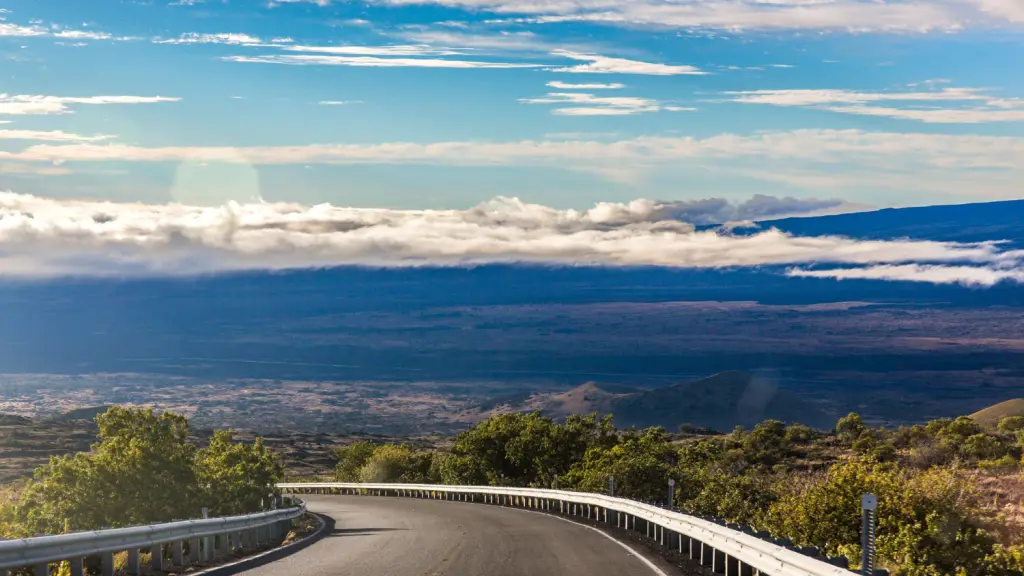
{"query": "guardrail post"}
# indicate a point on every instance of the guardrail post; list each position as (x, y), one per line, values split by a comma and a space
(718, 562)
(225, 544)
(193, 552)
(178, 553)
(77, 566)
(134, 565)
(732, 566)
(868, 504)
(41, 569)
(107, 564)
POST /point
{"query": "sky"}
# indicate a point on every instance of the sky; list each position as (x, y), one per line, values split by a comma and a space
(565, 110)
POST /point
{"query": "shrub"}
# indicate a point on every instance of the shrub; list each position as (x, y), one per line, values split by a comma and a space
(351, 459)
(800, 434)
(850, 427)
(928, 522)
(1011, 424)
(982, 446)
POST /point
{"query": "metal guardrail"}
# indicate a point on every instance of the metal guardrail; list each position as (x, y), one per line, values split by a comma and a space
(207, 538)
(725, 549)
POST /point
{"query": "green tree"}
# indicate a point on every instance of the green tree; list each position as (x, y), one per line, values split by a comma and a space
(850, 427)
(140, 471)
(766, 444)
(351, 459)
(396, 463)
(236, 478)
(642, 463)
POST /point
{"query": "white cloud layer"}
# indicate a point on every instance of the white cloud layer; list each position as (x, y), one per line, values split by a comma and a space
(45, 237)
(933, 274)
(26, 104)
(867, 149)
(987, 108)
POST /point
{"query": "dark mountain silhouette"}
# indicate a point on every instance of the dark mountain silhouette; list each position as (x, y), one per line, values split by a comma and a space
(721, 402)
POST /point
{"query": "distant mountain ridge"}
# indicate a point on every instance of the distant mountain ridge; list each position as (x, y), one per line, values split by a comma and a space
(975, 222)
(721, 401)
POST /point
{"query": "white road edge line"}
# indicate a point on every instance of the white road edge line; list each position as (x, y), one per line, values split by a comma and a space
(633, 552)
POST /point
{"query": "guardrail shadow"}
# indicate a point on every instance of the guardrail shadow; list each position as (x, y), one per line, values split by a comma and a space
(276, 554)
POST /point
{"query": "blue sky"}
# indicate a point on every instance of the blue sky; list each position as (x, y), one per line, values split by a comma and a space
(448, 103)
(196, 136)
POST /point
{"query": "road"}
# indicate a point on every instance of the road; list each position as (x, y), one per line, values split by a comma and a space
(376, 536)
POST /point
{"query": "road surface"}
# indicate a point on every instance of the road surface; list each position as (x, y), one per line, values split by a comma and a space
(375, 536)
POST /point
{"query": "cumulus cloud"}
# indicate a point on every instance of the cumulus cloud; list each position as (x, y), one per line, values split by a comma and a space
(23, 104)
(931, 273)
(46, 237)
(607, 65)
(987, 108)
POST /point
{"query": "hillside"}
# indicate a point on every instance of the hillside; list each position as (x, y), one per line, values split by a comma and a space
(721, 402)
(974, 222)
(993, 414)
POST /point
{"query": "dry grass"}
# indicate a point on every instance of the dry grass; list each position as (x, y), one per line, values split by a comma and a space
(1003, 494)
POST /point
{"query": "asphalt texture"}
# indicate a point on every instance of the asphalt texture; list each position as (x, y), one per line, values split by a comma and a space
(386, 536)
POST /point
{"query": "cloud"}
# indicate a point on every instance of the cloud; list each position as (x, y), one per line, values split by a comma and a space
(48, 237)
(993, 109)
(24, 104)
(933, 274)
(911, 16)
(338, 102)
(36, 29)
(231, 38)
(595, 86)
(504, 41)
(584, 104)
(51, 136)
(607, 65)
(376, 50)
(359, 61)
(877, 150)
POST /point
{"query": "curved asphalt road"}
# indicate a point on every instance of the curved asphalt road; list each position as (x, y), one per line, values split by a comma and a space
(411, 537)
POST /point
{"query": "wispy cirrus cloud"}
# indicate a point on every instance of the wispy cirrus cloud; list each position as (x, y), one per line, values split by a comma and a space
(608, 65)
(51, 136)
(28, 104)
(990, 108)
(231, 38)
(385, 50)
(870, 149)
(372, 61)
(740, 15)
(49, 237)
(37, 29)
(585, 104)
(592, 86)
